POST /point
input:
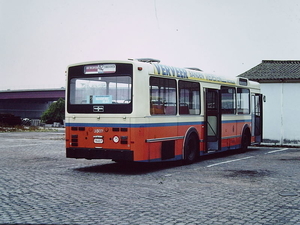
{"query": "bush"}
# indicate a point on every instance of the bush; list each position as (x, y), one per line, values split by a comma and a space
(55, 112)
(9, 119)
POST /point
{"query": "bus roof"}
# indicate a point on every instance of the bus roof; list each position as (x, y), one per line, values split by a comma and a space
(156, 68)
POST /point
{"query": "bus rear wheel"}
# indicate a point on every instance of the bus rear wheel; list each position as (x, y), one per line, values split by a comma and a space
(191, 149)
(245, 142)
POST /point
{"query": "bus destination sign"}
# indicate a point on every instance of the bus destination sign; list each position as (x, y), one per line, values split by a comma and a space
(99, 69)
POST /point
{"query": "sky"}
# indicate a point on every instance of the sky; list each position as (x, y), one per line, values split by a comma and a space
(40, 38)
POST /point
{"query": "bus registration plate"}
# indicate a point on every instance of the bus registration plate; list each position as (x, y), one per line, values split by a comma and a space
(98, 141)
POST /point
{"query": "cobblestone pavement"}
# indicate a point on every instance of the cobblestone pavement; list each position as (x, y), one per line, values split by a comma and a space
(38, 185)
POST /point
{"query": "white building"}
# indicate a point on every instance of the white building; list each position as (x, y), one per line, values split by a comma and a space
(280, 83)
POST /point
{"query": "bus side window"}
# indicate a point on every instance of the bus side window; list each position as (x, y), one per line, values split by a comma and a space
(162, 96)
(228, 100)
(243, 101)
(189, 98)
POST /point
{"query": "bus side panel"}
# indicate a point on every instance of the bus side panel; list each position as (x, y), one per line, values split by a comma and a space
(156, 149)
(138, 144)
(229, 132)
(232, 134)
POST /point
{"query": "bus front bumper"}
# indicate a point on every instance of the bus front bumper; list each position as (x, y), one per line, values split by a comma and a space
(97, 153)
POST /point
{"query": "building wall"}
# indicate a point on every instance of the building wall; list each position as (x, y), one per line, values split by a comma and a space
(281, 124)
(29, 103)
(24, 108)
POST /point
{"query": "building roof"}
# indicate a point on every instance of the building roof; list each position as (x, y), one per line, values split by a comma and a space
(274, 71)
(50, 94)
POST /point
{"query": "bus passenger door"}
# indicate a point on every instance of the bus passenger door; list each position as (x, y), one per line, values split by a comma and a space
(257, 117)
(213, 120)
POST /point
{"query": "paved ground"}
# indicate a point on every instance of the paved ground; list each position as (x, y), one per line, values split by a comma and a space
(38, 185)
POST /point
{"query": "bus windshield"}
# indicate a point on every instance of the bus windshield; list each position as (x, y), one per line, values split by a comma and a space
(100, 90)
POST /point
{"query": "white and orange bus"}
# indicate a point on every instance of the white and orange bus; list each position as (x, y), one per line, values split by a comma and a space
(141, 110)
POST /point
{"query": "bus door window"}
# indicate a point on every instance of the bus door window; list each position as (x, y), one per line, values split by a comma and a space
(213, 120)
(212, 111)
(257, 117)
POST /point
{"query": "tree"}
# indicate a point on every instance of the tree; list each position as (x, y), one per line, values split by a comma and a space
(55, 112)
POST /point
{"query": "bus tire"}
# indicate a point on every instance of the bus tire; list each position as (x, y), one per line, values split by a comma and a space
(245, 141)
(191, 148)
